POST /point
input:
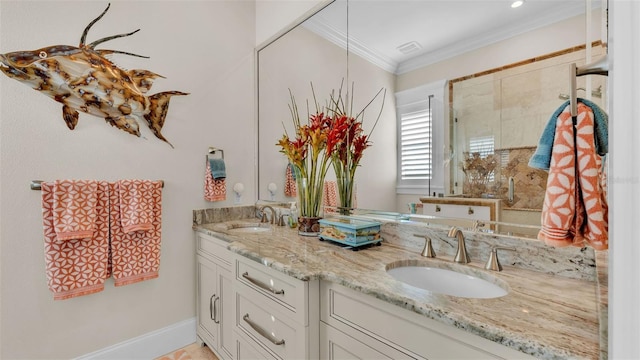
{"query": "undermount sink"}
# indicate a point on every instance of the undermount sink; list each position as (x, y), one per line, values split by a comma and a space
(247, 228)
(448, 282)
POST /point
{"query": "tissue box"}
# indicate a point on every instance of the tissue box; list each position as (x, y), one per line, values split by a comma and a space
(349, 231)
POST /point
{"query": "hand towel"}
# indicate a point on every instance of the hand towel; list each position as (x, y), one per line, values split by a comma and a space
(541, 159)
(290, 187)
(74, 208)
(79, 266)
(330, 198)
(218, 168)
(136, 206)
(575, 210)
(214, 189)
(135, 256)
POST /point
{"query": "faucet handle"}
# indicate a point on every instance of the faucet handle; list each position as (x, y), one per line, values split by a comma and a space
(428, 248)
(493, 263)
(264, 219)
(281, 220)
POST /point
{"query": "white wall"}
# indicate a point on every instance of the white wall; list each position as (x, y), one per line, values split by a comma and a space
(275, 16)
(624, 180)
(202, 47)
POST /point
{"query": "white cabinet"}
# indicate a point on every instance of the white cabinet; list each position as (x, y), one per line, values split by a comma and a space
(385, 328)
(214, 297)
(276, 315)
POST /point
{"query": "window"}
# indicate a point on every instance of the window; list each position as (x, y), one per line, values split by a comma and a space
(482, 145)
(420, 152)
(415, 145)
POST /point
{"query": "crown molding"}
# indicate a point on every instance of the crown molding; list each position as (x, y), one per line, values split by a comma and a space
(339, 38)
(323, 29)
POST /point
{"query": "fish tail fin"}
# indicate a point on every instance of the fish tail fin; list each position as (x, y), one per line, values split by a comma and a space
(158, 108)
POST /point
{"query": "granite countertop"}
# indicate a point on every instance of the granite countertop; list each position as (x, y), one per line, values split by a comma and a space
(547, 316)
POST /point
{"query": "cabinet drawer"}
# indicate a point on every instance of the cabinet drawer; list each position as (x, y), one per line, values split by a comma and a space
(336, 345)
(350, 311)
(213, 248)
(248, 351)
(285, 290)
(471, 212)
(269, 326)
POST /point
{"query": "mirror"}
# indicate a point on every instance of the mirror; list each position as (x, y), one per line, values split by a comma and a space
(302, 57)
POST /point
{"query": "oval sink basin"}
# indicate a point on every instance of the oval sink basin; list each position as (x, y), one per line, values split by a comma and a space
(248, 229)
(447, 282)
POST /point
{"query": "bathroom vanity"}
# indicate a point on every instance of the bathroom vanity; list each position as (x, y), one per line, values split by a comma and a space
(278, 295)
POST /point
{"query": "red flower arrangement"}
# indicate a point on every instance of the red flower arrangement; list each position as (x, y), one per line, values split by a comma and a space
(331, 136)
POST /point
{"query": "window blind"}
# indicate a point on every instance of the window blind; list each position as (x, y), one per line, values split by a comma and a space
(416, 145)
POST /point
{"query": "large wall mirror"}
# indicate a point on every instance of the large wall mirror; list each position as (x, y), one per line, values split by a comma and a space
(485, 95)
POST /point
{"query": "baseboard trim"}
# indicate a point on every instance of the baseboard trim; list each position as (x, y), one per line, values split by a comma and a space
(150, 345)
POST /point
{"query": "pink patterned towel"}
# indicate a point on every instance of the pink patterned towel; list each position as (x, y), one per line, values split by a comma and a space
(135, 255)
(214, 189)
(290, 188)
(575, 208)
(330, 200)
(74, 208)
(79, 266)
(136, 206)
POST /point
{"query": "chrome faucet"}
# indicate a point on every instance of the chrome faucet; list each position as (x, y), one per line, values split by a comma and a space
(264, 215)
(461, 255)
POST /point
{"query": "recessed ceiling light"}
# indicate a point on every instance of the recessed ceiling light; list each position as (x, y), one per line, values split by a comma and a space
(517, 3)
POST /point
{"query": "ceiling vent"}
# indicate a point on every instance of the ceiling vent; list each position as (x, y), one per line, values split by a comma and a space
(409, 47)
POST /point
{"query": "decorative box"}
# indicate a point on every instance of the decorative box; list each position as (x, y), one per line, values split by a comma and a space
(350, 231)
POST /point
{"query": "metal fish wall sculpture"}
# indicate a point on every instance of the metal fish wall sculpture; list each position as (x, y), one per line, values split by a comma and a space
(82, 79)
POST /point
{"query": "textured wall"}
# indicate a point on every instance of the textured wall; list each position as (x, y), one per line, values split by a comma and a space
(202, 47)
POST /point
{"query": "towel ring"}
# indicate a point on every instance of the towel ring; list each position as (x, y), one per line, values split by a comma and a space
(213, 150)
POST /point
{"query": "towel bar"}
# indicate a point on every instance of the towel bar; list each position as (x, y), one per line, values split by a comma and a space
(37, 184)
(599, 67)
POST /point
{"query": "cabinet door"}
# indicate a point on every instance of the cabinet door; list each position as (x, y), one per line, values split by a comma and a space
(207, 281)
(226, 312)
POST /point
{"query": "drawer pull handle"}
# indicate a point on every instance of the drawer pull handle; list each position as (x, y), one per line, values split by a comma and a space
(211, 308)
(215, 310)
(262, 285)
(261, 331)
(438, 208)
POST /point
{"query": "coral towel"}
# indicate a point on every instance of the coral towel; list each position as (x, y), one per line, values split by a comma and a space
(575, 207)
(136, 206)
(290, 188)
(214, 189)
(74, 208)
(135, 254)
(330, 196)
(76, 267)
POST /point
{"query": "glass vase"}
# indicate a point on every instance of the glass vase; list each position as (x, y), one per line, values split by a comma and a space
(309, 199)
